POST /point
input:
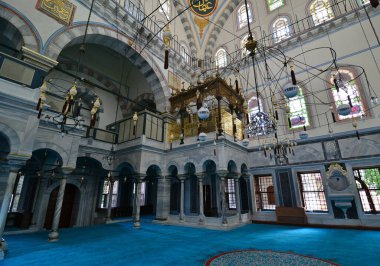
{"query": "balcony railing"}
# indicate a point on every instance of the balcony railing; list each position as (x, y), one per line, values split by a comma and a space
(149, 124)
(18, 71)
(150, 24)
(102, 135)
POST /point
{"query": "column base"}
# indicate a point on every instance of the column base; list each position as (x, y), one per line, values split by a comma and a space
(181, 219)
(53, 236)
(202, 219)
(3, 248)
(137, 224)
(108, 220)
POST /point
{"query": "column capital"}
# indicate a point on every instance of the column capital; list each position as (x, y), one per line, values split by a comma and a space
(16, 161)
(138, 177)
(67, 170)
(237, 176)
(222, 173)
(182, 177)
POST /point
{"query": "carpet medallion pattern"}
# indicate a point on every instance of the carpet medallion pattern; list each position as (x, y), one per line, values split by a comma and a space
(268, 258)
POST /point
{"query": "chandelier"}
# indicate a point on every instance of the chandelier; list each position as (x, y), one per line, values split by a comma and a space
(260, 124)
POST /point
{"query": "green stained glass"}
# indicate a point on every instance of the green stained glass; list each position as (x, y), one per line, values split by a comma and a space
(274, 4)
(298, 115)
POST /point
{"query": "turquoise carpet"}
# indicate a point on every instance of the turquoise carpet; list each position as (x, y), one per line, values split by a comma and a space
(121, 244)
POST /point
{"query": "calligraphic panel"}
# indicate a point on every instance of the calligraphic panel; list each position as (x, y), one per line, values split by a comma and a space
(203, 8)
(61, 10)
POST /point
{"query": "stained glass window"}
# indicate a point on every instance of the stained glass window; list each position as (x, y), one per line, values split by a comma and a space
(242, 16)
(274, 4)
(321, 11)
(221, 58)
(280, 28)
(298, 114)
(348, 92)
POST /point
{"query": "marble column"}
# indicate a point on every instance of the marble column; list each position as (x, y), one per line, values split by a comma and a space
(249, 194)
(163, 198)
(54, 235)
(15, 166)
(223, 199)
(182, 203)
(201, 206)
(237, 197)
(137, 223)
(109, 206)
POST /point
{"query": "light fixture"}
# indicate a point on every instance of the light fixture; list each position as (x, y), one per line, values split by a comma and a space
(110, 157)
(167, 37)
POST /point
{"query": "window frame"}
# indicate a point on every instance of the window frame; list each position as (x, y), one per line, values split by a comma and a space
(370, 211)
(302, 191)
(260, 206)
(268, 7)
(308, 112)
(114, 197)
(272, 29)
(230, 192)
(362, 95)
(309, 11)
(217, 60)
(239, 25)
(161, 10)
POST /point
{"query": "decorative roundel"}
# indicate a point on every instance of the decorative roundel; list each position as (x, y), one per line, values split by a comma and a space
(291, 91)
(203, 8)
(202, 136)
(303, 135)
(203, 113)
(344, 109)
(338, 181)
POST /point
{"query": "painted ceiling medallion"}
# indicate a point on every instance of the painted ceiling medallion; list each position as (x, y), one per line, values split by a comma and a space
(203, 9)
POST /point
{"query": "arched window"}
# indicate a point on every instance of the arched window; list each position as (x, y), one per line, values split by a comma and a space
(274, 4)
(298, 113)
(348, 92)
(321, 11)
(280, 29)
(242, 16)
(165, 8)
(221, 58)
